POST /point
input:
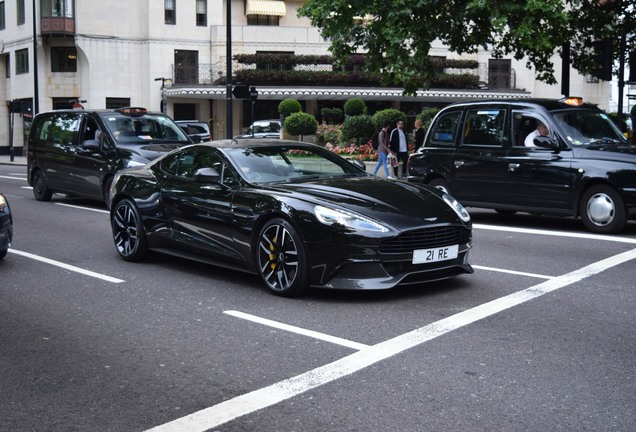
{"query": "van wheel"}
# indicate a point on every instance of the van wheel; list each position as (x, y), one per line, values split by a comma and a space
(41, 191)
(602, 210)
(108, 181)
(440, 184)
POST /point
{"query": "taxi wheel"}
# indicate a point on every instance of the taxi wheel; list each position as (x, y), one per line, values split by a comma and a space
(281, 260)
(602, 210)
(41, 190)
(128, 231)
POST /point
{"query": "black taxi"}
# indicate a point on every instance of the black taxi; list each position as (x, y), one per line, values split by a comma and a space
(78, 151)
(548, 157)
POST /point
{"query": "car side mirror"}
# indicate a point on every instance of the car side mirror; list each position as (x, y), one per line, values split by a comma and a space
(207, 175)
(359, 164)
(546, 142)
(90, 144)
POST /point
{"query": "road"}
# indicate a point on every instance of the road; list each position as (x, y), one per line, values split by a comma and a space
(540, 338)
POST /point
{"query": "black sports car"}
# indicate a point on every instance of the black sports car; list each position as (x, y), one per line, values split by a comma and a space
(294, 213)
(6, 226)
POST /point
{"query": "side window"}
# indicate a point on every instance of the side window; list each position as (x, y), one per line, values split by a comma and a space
(63, 129)
(484, 127)
(444, 130)
(91, 131)
(524, 124)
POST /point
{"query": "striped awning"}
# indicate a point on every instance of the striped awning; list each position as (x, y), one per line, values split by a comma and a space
(265, 7)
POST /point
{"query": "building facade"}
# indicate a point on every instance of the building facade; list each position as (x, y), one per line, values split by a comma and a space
(172, 55)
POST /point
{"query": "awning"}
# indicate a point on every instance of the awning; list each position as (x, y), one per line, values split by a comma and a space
(265, 7)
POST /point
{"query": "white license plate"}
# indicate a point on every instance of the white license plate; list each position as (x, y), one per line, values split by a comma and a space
(421, 256)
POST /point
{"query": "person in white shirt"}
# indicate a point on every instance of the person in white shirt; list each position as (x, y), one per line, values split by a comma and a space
(399, 147)
(541, 130)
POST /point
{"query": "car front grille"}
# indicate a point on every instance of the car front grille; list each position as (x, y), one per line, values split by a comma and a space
(426, 239)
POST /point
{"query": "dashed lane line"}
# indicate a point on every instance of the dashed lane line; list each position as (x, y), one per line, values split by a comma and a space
(67, 266)
(513, 272)
(587, 236)
(231, 409)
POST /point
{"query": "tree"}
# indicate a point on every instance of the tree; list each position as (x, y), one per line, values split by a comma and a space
(359, 128)
(289, 106)
(300, 123)
(397, 40)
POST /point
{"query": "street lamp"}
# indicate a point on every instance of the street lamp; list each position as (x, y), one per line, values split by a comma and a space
(164, 99)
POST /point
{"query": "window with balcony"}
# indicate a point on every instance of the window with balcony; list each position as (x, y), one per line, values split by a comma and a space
(57, 8)
(63, 59)
(170, 10)
(21, 12)
(269, 62)
(186, 67)
(202, 13)
(22, 61)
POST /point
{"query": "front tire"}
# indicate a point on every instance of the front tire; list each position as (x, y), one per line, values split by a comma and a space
(128, 231)
(281, 259)
(602, 210)
(41, 190)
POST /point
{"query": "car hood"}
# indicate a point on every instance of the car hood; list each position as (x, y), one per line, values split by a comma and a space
(149, 151)
(400, 204)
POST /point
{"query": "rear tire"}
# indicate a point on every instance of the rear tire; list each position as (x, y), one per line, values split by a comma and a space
(602, 210)
(41, 190)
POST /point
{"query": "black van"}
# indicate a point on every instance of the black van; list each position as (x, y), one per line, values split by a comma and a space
(78, 151)
(542, 156)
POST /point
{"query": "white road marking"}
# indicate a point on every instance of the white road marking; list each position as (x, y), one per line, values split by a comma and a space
(518, 273)
(67, 266)
(298, 330)
(12, 178)
(231, 409)
(83, 208)
(590, 236)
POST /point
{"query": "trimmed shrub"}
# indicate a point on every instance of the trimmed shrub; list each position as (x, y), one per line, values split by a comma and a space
(427, 117)
(390, 114)
(301, 124)
(355, 107)
(332, 115)
(359, 128)
(289, 106)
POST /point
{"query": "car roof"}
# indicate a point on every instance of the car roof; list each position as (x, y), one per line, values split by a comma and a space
(548, 104)
(255, 143)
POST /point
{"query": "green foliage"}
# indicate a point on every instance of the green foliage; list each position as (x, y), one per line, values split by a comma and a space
(354, 107)
(330, 133)
(289, 106)
(427, 117)
(390, 114)
(359, 128)
(332, 115)
(398, 39)
(301, 124)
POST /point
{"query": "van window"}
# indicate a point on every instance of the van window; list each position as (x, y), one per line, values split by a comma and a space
(444, 129)
(484, 127)
(61, 129)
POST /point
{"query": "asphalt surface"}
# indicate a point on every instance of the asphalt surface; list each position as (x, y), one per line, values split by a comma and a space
(540, 338)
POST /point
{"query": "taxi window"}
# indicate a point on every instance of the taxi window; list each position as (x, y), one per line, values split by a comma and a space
(444, 129)
(484, 127)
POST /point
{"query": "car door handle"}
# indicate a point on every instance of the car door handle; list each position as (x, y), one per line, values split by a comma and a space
(513, 166)
(458, 164)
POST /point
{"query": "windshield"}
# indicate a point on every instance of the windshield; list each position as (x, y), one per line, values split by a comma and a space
(279, 164)
(142, 129)
(583, 127)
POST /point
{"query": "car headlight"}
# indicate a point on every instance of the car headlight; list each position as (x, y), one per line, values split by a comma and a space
(330, 216)
(456, 205)
(3, 203)
(133, 163)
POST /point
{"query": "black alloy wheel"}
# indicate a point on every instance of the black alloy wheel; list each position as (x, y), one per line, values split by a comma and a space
(128, 232)
(41, 191)
(281, 260)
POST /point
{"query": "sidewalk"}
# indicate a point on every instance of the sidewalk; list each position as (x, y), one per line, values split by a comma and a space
(17, 160)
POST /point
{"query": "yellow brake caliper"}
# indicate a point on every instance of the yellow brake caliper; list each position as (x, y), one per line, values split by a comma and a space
(272, 256)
